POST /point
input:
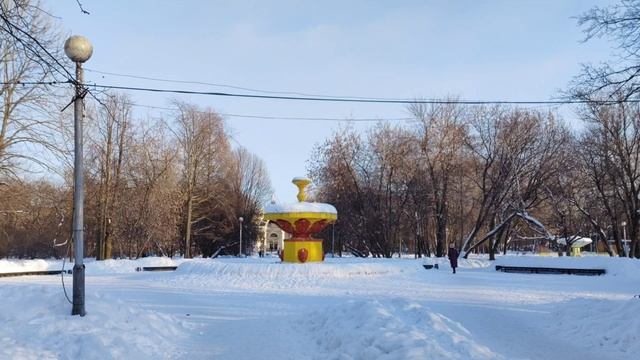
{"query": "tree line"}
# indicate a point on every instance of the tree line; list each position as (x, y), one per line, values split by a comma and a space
(164, 186)
(484, 178)
(152, 186)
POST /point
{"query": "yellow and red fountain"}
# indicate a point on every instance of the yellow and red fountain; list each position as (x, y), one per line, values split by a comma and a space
(301, 220)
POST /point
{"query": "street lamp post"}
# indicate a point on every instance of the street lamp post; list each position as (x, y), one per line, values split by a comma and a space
(240, 219)
(79, 50)
(415, 247)
(333, 240)
(624, 236)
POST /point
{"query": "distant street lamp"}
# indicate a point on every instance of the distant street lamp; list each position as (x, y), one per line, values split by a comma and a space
(415, 246)
(240, 219)
(624, 236)
(333, 240)
(79, 50)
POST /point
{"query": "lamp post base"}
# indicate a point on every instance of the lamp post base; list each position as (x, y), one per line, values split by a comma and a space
(78, 291)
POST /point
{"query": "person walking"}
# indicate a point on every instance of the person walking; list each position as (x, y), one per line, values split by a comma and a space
(453, 257)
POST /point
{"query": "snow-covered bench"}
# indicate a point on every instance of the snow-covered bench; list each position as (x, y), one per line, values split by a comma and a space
(28, 273)
(157, 268)
(549, 270)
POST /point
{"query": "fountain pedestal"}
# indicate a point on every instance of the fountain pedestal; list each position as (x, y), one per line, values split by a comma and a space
(301, 220)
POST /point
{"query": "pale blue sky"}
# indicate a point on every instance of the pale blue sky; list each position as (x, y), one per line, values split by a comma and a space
(488, 50)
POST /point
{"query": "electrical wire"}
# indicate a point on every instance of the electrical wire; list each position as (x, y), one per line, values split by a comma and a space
(10, 26)
(232, 115)
(64, 288)
(232, 86)
(364, 100)
(35, 83)
(64, 258)
(351, 100)
(334, 99)
(264, 117)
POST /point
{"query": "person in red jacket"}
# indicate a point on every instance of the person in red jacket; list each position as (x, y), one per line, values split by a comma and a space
(453, 257)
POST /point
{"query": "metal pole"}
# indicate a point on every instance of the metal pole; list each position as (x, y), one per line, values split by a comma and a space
(240, 249)
(79, 50)
(264, 249)
(415, 245)
(624, 235)
(78, 200)
(333, 239)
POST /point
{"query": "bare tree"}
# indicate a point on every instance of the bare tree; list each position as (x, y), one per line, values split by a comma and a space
(250, 189)
(112, 139)
(615, 144)
(148, 221)
(442, 137)
(203, 144)
(516, 152)
(621, 24)
(369, 181)
(27, 124)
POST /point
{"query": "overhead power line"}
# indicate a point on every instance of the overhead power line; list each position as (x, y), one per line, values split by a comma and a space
(35, 83)
(296, 118)
(363, 100)
(333, 99)
(232, 86)
(60, 68)
(232, 115)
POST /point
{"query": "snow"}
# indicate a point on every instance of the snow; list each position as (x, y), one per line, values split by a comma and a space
(393, 329)
(300, 178)
(577, 242)
(616, 267)
(37, 325)
(302, 206)
(344, 308)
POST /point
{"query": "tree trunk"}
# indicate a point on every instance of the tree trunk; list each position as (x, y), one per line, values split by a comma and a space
(187, 235)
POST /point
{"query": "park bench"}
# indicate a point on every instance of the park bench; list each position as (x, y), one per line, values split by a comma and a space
(549, 270)
(27, 273)
(157, 268)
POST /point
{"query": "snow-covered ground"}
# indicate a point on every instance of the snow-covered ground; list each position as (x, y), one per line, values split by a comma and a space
(345, 308)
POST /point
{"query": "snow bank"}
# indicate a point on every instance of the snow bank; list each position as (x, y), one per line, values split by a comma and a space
(9, 266)
(93, 267)
(111, 329)
(260, 274)
(602, 324)
(127, 266)
(614, 266)
(394, 329)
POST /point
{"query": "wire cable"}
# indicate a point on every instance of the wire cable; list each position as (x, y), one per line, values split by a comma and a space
(233, 86)
(362, 100)
(64, 258)
(64, 288)
(62, 70)
(333, 99)
(246, 116)
(295, 118)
